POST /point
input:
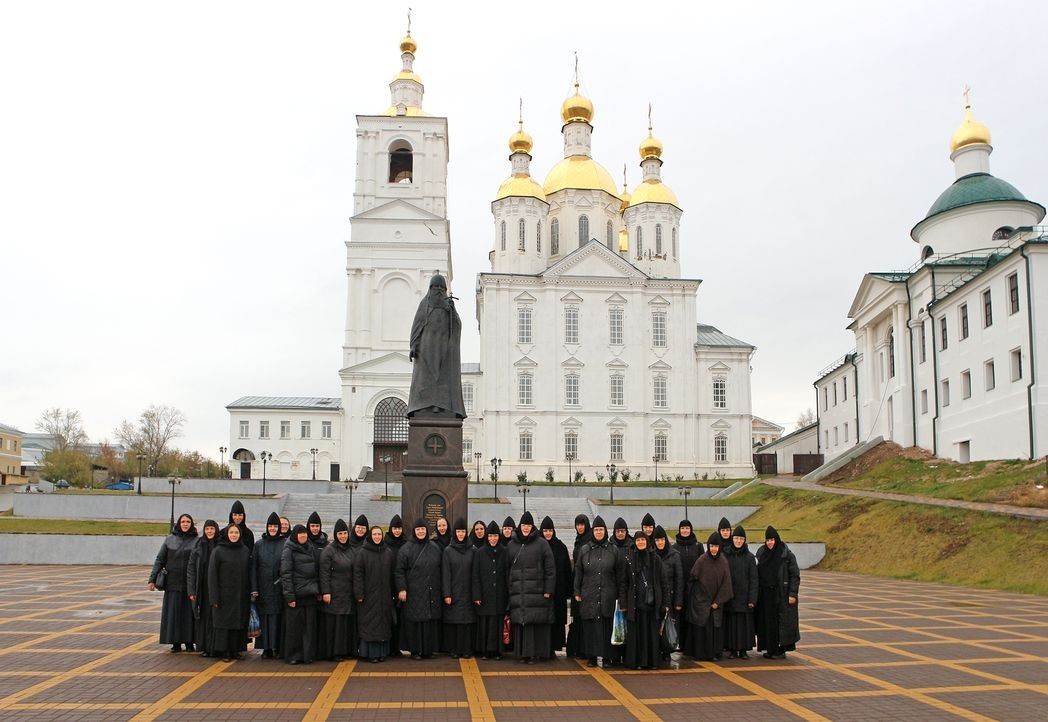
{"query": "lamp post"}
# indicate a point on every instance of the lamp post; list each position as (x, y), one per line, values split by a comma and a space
(351, 486)
(685, 491)
(477, 455)
(570, 458)
(656, 460)
(611, 469)
(140, 456)
(385, 459)
(266, 458)
(314, 452)
(173, 481)
(222, 452)
(495, 464)
(525, 489)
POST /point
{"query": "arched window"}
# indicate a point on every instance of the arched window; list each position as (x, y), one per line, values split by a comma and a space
(640, 242)
(391, 421)
(720, 447)
(609, 238)
(583, 230)
(554, 237)
(520, 235)
(571, 390)
(400, 163)
(1002, 233)
(524, 324)
(658, 239)
(673, 235)
(538, 237)
(502, 235)
(927, 253)
(891, 352)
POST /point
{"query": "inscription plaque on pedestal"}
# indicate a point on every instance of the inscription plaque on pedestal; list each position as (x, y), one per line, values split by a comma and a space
(435, 483)
(434, 507)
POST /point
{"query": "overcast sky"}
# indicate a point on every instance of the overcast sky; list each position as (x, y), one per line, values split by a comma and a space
(176, 179)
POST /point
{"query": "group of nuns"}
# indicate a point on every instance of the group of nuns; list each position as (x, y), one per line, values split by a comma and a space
(484, 591)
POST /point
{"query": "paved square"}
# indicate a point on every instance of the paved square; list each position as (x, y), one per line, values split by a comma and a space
(80, 643)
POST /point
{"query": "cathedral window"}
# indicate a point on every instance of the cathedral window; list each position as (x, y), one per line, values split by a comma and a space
(609, 238)
(554, 237)
(720, 447)
(525, 446)
(467, 452)
(571, 445)
(673, 237)
(891, 351)
(922, 352)
(615, 446)
(720, 393)
(571, 324)
(538, 237)
(615, 326)
(640, 243)
(571, 390)
(661, 447)
(524, 324)
(400, 163)
(502, 236)
(1002, 233)
(658, 329)
(987, 299)
(1013, 293)
(467, 397)
(618, 388)
(521, 231)
(659, 394)
(944, 341)
(658, 239)
(524, 389)
(305, 430)
(963, 319)
(583, 230)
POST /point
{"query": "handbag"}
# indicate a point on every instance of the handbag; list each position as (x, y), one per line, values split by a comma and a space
(507, 631)
(618, 626)
(161, 580)
(254, 625)
(669, 633)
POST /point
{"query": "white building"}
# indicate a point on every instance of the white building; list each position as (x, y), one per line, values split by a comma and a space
(591, 347)
(946, 355)
(765, 432)
(289, 429)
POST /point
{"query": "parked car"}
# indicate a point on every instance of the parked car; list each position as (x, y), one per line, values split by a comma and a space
(62, 484)
(121, 485)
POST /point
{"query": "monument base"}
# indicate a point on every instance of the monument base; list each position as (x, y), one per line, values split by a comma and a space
(435, 483)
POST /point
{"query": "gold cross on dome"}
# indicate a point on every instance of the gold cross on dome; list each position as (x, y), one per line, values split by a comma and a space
(967, 92)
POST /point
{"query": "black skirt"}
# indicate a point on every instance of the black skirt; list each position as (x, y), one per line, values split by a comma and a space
(272, 631)
(202, 628)
(558, 630)
(373, 650)
(458, 638)
(642, 640)
(531, 640)
(229, 641)
(738, 631)
(574, 638)
(705, 642)
(300, 633)
(489, 635)
(340, 636)
(176, 619)
(421, 638)
(595, 638)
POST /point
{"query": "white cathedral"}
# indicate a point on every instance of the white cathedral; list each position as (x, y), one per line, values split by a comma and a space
(592, 353)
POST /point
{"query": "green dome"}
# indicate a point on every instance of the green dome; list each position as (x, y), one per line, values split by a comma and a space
(972, 189)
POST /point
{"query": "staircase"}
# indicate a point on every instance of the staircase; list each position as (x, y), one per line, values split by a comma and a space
(561, 511)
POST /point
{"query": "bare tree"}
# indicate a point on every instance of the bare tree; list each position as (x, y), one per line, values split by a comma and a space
(807, 418)
(64, 426)
(153, 432)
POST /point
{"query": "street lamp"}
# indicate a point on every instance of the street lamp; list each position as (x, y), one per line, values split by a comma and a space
(266, 458)
(385, 459)
(495, 464)
(525, 489)
(222, 451)
(685, 491)
(656, 460)
(477, 455)
(173, 481)
(570, 458)
(611, 469)
(351, 486)
(314, 452)
(140, 456)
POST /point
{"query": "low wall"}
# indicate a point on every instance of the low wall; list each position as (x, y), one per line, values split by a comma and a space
(68, 505)
(589, 491)
(838, 461)
(79, 549)
(701, 517)
(236, 486)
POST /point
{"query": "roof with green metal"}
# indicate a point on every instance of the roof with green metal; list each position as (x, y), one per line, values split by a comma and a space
(974, 188)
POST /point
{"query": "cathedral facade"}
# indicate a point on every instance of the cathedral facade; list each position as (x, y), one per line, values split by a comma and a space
(592, 350)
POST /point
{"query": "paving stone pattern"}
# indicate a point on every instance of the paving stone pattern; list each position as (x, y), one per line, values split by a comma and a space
(79, 643)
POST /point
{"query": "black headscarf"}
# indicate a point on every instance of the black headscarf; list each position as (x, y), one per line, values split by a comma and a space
(768, 568)
(274, 518)
(358, 539)
(225, 541)
(483, 538)
(320, 539)
(660, 533)
(246, 535)
(341, 525)
(394, 542)
(177, 528)
(716, 540)
(443, 539)
(648, 520)
(209, 544)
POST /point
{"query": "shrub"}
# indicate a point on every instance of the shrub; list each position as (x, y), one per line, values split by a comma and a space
(549, 473)
(626, 474)
(579, 477)
(600, 477)
(522, 477)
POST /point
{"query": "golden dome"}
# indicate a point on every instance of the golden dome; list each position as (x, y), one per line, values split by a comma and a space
(579, 171)
(970, 132)
(520, 142)
(408, 75)
(653, 191)
(624, 241)
(408, 45)
(577, 107)
(520, 185)
(650, 147)
(625, 198)
(409, 111)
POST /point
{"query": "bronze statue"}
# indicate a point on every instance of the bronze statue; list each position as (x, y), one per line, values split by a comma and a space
(436, 379)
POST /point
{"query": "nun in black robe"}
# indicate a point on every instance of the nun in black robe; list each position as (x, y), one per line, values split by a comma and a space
(562, 588)
(479, 536)
(394, 540)
(710, 590)
(265, 587)
(338, 609)
(490, 593)
(228, 579)
(456, 588)
(739, 629)
(196, 587)
(418, 583)
(583, 536)
(374, 590)
(644, 597)
(176, 615)
(532, 581)
(318, 539)
(300, 585)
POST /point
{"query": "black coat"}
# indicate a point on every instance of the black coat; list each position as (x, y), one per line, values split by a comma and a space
(744, 585)
(374, 591)
(631, 588)
(457, 582)
(710, 584)
(336, 578)
(196, 571)
(598, 572)
(299, 571)
(265, 574)
(562, 563)
(418, 573)
(690, 550)
(174, 557)
(784, 581)
(491, 580)
(228, 584)
(674, 570)
(532, 574)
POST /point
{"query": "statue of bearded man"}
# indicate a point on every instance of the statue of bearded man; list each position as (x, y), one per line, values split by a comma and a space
(436, 378)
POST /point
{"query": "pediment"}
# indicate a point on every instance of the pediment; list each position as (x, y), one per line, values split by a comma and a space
(616, 422)
(572, 362)
(615, 298)
(720, 367)
(397, 210)
(720, 424)
(525, 421)
(525, 362)
(660, 365)
(617, 363)
(593, 259)
(571, 421)
(571, 297)
(524, 297)
(660, 423)
(873, 288)
(658, 301)
(391, 363)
